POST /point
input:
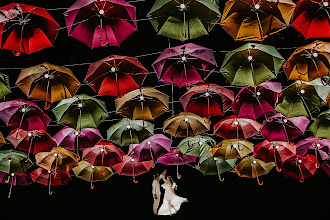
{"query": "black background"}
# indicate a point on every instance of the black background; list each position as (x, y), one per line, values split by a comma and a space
(119, 197)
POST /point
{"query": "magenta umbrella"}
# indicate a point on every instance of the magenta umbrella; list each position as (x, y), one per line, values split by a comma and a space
(185, 64)
(23, 114)
(255, 102)
(176, 157)
(280, 128)
(151, 148)
(98, 23)
(15, 179)
(319, 146)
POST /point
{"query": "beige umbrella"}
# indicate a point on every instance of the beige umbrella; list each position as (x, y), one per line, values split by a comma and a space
(231, 149)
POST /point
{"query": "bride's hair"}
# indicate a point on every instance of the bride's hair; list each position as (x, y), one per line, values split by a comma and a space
(174, 186)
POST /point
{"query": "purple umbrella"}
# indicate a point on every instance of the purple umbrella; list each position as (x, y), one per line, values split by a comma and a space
(151, 148)
(185, 64)
(74, 140)
(176, 157)
(98, 23)
(280, 128)
(23, 114)
(320, 146)
(14, 179)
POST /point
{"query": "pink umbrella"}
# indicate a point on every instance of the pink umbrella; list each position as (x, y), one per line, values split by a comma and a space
(176, 157)
(99, 23)
(255, 102)
(23, 114)
(151, 148)
(15, 179)
(319, 146)
(280, 128)
(185, 64)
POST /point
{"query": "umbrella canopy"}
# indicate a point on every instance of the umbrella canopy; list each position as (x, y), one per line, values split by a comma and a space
(15, 179)
(128, 131)
(145, 103)
(183, 20)
(186, 124)
(207, 100)
(47, 82)
(318, 146)
(280, 128)
(12, 161)
(2, 139)
(255, 102)
(232, 149)
(185, 64)
(311, 18)
(103, 154)
(23, 114)
(193, 146)
(101, 23)
(233, 127)
(321, 127)
(80, 111)
(151, 148)
(116, 75)
(5, 88)
(256, 19)
(26, 28)
(251, 64)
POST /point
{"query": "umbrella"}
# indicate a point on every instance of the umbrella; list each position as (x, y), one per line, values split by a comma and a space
(193, 146)
(321, 127)
(299, 168)
(274, 151)
(50, 178)
(91, 173)
(5, 88)
(47, 82)
(103, 154)
(176, 157)
(251, 64)
(151, 148)
(232, 149)
(26, 28)
(99, 23)
(115, 75)
(80, 111)
(280, 128)
(15, 179)
(185, 64)
(13, 161)
(255, 102)
(309, 62)
(325, 165)
(182, 19)
(311, 18)
(233, 127)
(256, 19)
(145, 103)
(251, 167)
(2, 139)
(312, 144)
(57, 159)
(74, 140)
(132, 167)
(23, 114)
(186, 124)
(207, 100)
(128, 131)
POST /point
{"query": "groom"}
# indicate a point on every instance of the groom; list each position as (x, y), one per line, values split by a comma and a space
(156, 190)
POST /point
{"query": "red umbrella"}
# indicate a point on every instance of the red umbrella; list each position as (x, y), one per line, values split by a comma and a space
(132, 167)
(297, 167)
(207, 100)
(325, 165)
(115, 75)
(236, 128)
(15, 179)
(26, 29)
(103, 154)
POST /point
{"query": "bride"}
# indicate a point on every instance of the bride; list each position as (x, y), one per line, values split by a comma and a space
(171, 202)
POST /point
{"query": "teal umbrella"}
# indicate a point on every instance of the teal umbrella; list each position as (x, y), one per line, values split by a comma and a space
(193, 145)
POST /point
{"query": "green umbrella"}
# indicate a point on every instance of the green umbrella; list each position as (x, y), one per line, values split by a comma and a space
(80, 111)
(301, 99)
(321, 126)
(193, 145)
(4, 85)
(128, 131)
(12, 161)
(251, 64)
(184, 19)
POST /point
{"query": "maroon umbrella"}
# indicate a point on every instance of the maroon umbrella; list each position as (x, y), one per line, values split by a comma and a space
(325, 165)
(15, 179)
(319, 146)
(255, 102)
(280, 128)
(207, 100)
(23, 114)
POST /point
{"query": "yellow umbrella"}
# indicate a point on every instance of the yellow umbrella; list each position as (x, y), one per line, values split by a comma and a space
(231, 149)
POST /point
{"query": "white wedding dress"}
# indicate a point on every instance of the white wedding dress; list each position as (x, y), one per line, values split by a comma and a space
(175, 200)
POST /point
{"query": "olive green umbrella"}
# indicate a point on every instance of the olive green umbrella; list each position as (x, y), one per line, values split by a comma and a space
(12, 161)
(80, 111)
(128, 131)
(193, 145)
(251, 64)
(184, 19)
(4, 85)
(321, 126)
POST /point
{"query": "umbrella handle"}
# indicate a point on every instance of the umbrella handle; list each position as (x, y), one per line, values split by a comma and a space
(221, 178)
(104, 44)
(11, 186)
(49, 184)
(7, 180)
(16, 53)
(92, 186)
(47, 106)
(134, 180)
(260, 183)
(177, 172)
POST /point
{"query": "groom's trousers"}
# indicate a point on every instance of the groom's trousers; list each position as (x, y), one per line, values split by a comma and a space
(156, 203)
